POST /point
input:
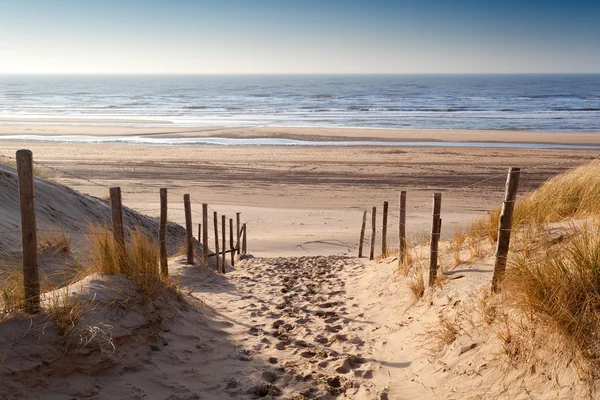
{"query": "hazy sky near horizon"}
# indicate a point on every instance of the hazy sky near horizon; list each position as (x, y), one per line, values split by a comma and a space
(302, 36)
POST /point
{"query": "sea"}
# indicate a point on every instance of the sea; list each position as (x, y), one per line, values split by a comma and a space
(568, 103)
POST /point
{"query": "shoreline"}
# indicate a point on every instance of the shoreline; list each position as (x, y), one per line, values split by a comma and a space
(279, 142)
(308, 134)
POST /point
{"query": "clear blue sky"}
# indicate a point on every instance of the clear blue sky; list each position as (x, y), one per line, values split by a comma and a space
(303, 36)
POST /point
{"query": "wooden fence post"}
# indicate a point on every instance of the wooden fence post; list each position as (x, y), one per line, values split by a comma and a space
(224, 250)
(237, 224)
(188, 229)
(373, 230)
(216, 221)
(244, 248)
(384, 230)
(28, 231)
(402, 229)
(362, 234)
(116, 207)
(231, 241)
(505, 226)
(205, 233)
(435, 237)
(162, 233)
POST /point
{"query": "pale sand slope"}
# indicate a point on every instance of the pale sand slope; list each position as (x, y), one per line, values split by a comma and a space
(302, 201)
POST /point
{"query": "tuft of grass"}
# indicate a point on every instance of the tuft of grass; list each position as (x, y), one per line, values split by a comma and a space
(59, 241)
(560, 288)
(416, 284)
(444, 334)
(485, 227)
(65, 310)
(457, 244)
(139, 261)
(12, 291)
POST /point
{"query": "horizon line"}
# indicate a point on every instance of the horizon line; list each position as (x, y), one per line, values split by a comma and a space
(294, 73)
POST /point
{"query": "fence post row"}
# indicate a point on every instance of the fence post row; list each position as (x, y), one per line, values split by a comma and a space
(505, 226)
(188, 229)
(216, 222)
(362, 234)
(116, 206)
(162, 233)
(402, 229)
(373, 231)
(435, 237)
(31, 277)
(205, 233)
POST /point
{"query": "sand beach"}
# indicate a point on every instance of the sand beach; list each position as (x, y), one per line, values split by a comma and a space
(303, 317)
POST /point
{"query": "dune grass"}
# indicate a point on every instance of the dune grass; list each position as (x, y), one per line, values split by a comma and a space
(139, 261)
(572, 194)
(560, 286)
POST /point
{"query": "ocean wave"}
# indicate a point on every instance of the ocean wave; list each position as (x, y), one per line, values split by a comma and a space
(216, 141)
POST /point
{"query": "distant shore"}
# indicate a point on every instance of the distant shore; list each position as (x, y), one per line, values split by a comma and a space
(54, 128)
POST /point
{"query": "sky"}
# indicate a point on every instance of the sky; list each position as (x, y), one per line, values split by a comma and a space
(302, 36)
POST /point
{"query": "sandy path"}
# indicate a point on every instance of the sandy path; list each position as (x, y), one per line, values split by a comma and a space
(296, 315)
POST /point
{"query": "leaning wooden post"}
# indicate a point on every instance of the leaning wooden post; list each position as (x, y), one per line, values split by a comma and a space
(31, 277)
(224, 250)
(116, 207)
(216, 221)
(162, 233)
(402, 229)
(237, 224)
(231, 241)
(373, 231)
(505, 226)
(244, 248)
(205, 233)
(189, 234)
(384, 230)
(435, 238)
(362, 234)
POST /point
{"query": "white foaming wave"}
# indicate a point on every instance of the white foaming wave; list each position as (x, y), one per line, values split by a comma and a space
(219, 141)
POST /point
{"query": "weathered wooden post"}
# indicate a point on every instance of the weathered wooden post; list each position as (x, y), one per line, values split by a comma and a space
(224, 250)
(162, 233)
(205, 233)
(435, 238)
(245, 229)
(384, 230)
(231, 241)
(31, 277)
(116, 207)
(238, 227)
(402, 229)
(505, 226)
(362, 234)
(189, 234)
(373, 231)
(216, 221)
